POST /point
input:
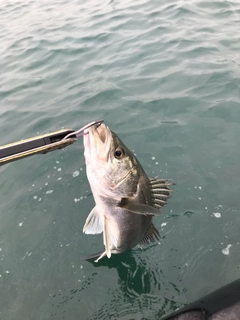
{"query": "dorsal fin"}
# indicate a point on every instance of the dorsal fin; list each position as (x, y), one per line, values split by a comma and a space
(151, 235)
(160, 191)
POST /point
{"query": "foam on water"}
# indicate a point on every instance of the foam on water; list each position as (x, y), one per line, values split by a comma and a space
(226, 250)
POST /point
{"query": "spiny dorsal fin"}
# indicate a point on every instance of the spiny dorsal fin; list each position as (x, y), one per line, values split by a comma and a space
(160, 191)
(151, 235)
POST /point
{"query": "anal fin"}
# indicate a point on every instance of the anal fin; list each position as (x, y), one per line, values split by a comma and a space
(151, 235)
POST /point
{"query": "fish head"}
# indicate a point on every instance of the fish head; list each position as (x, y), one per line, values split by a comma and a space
(112, 169)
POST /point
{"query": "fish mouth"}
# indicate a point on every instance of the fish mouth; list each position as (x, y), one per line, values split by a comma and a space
(99, 132)
(102, 132)
(97, 141)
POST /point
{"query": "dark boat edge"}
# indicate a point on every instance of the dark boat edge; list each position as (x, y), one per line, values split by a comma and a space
(223, 303)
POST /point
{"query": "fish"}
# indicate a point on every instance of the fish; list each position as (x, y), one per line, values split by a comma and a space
(126, 200)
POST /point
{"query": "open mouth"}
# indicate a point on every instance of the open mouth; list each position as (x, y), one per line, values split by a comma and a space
(84, 130)
(102, 132)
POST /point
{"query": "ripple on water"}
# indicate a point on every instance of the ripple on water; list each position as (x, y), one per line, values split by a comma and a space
(141, 66)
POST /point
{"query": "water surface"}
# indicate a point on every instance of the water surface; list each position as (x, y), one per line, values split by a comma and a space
(165, 76)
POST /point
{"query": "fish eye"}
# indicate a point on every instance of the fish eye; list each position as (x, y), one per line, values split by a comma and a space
(119, 153)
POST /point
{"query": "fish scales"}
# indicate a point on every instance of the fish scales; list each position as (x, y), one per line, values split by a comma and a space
(126, 199)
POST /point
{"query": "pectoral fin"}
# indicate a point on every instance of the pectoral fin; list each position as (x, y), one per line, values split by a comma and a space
(94, 223)
(151, 235)
(138, 208)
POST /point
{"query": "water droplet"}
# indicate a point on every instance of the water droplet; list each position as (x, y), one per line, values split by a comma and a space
(75, 174)
(217, 214)
(226, 250)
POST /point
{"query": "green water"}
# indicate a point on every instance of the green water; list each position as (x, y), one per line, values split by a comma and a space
(165, 76)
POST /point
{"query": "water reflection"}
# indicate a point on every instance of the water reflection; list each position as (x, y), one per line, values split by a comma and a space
(135, 296)
(139, 289)
(133, 276)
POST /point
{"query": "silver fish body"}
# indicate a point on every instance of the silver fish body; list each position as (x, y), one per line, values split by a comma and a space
(126, 199)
